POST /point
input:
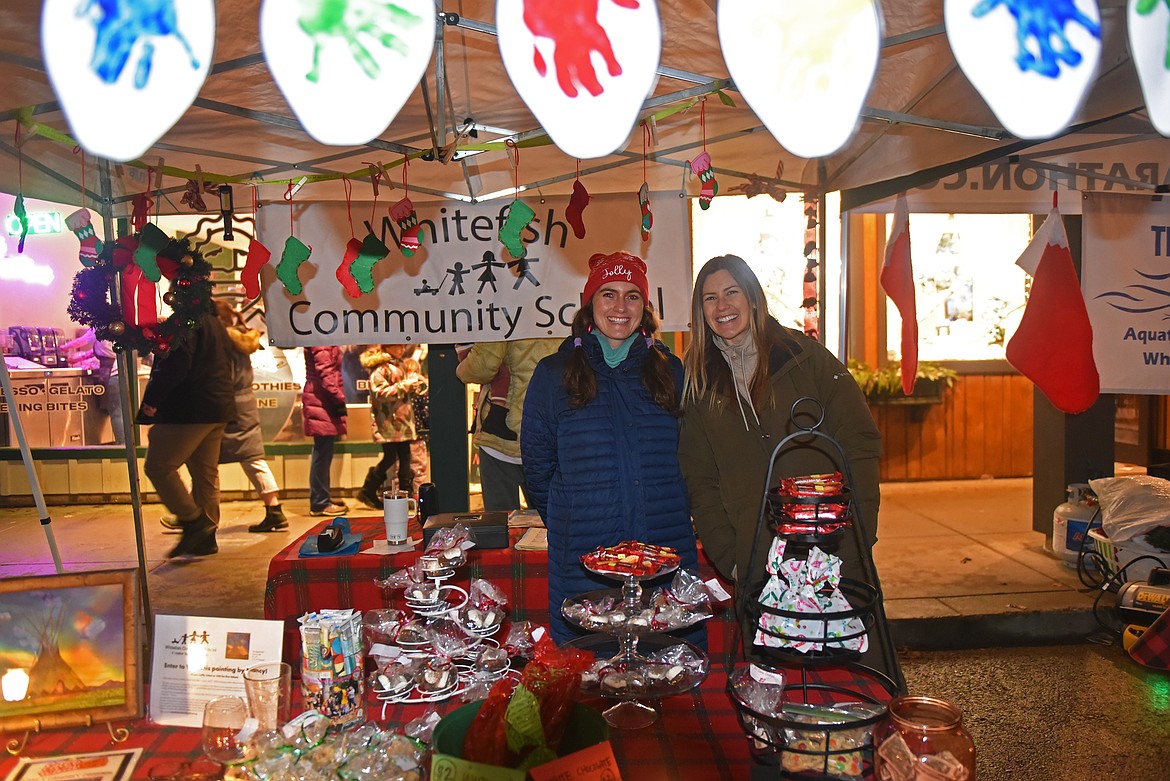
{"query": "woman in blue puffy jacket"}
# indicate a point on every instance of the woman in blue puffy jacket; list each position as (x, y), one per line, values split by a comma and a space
(599, 436)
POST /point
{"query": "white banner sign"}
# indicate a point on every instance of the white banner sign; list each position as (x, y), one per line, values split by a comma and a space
(1126, 281)
(1025, 184)
(462, 285)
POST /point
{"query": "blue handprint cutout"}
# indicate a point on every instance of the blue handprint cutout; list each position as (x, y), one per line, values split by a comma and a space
(120, 24)
(347, 19)
(1044, 22)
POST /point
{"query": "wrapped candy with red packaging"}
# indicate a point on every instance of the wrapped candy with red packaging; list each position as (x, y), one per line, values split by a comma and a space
(521, 724)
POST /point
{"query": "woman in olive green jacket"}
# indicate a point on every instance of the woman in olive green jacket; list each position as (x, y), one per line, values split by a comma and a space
(744, 372)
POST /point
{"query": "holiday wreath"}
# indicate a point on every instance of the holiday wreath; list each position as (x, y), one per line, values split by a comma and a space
(189, 297)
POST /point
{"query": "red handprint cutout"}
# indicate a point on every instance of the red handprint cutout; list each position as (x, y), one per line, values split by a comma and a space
(576, 34)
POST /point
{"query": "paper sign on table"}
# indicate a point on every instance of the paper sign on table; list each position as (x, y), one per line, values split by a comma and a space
(594, 762)
(197, 658)
(117, 765)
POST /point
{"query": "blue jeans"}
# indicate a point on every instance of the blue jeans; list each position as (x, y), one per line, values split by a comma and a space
(320, 461)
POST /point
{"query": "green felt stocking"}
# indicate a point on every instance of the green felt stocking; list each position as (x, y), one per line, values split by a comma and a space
(294, 254)
(150, 242)
(362, 268)
(519, 215)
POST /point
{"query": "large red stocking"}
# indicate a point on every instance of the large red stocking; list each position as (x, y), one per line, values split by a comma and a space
(1053, 347)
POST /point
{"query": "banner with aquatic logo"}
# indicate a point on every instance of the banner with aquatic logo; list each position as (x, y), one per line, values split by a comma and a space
(461, 284)
(1126, 281)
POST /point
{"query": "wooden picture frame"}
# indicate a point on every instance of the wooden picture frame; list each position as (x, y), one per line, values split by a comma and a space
(77, 636)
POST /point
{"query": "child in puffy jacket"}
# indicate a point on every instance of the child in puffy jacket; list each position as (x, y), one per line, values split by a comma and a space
(394, 380)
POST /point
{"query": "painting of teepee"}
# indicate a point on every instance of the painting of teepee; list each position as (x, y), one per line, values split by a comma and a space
(75, 637)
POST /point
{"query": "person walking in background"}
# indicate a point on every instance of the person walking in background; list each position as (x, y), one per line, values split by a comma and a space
(243, 442)
(600, 435)
(394, 378)
(188, 402)
(324, 411)
(504, 369)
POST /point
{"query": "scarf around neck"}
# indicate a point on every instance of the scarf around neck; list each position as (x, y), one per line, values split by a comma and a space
(614, 355)
(742, 358)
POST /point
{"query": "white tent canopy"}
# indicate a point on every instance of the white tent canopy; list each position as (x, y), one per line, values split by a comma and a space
(922, 118)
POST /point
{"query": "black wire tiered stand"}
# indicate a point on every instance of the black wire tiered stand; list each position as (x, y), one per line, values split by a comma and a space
(830, 675)
(624, 649)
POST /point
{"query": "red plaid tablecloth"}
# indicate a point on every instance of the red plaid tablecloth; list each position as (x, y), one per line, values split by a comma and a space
(160, 745)
(302, 585)
(696, 736)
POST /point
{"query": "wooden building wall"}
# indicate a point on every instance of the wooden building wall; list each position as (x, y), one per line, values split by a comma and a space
(982, 428)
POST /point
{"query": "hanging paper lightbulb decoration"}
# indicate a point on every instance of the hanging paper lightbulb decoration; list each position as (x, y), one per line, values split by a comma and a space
(347, 68)
(1148, 22)
(146, 57)
(804, 69)
(583, 67)
(1031, 60)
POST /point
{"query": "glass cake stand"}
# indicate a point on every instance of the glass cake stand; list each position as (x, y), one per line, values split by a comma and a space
(626, 673)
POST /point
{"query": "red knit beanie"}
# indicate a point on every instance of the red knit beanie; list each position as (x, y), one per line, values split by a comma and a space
(619, 266)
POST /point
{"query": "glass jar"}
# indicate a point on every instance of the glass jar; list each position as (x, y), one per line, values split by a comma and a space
(923, 737)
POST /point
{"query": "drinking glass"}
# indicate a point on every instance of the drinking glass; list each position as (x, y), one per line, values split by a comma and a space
(268, 686)
(224, 722)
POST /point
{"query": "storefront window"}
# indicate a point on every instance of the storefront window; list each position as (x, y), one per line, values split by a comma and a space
(771, 236)
(970, 292)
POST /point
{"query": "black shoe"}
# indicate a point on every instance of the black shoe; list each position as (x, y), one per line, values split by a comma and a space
(198, 538)
(271, 523)
(369, 499)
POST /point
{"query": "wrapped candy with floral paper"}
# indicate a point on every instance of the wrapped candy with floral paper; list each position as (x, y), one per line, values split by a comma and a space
(812, 587)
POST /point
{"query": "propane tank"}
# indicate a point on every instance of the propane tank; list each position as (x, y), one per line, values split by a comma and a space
(1070, 523)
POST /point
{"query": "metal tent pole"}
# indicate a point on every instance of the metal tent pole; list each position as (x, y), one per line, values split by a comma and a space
(26, 456)
(127, 370)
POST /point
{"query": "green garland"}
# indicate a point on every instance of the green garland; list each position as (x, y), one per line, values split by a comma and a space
(189, 297)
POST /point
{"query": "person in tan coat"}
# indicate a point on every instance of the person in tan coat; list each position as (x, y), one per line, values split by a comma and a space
(503, 369)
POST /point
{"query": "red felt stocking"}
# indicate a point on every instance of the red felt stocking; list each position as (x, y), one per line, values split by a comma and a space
(1053, 347)
(345, 268)
(576, 209)
(897, 280)
(258, 255)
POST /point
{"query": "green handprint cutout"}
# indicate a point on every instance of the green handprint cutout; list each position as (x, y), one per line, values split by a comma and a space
(1145, 8)
(348, 19)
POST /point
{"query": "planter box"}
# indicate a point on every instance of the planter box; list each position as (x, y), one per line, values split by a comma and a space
(925, 392)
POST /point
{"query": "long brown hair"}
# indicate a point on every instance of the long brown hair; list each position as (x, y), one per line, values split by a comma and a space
(580, 381)
(706, 371)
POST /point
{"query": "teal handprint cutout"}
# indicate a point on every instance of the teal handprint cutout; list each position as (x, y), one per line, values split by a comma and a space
(355, 21)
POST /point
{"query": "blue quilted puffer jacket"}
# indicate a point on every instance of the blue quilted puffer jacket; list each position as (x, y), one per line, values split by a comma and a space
(604, 473)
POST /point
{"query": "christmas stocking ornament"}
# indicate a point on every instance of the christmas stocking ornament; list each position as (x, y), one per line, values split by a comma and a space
(576, 208)
(22, 218)
(701, 165)
(345, 268)
(370, 252)
(647, 216)
(140, 211)
(294, 254)
(81, 223)
(150, 242)
(519, 215)
(258, 255)
(1053, 346)
(404, 214)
